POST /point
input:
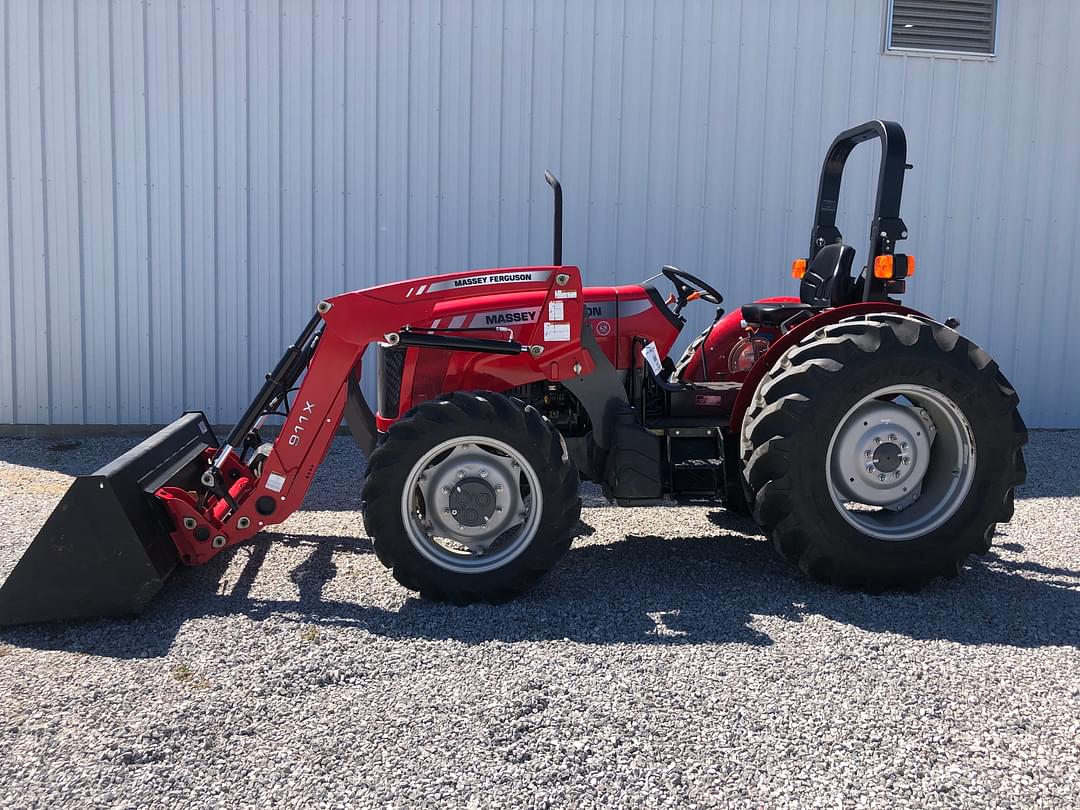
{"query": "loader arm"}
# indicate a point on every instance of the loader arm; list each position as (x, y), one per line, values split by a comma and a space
(241, 498)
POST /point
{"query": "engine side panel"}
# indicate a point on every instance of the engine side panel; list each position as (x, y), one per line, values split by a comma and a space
(619, 314)
(616, 316)
(537, 307)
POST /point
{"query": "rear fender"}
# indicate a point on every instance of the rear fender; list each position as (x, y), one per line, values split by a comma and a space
(776, 350)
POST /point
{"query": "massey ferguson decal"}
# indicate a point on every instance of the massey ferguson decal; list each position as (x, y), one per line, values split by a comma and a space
(490, 278)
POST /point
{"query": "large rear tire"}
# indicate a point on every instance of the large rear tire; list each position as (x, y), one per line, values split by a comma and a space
(471, 497)
(882, 451)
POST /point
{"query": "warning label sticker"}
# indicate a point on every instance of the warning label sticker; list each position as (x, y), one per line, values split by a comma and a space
(652, 356)
(555, 311)
(556, 332)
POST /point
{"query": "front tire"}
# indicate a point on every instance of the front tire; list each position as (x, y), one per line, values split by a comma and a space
(882, 451)
(471, 497)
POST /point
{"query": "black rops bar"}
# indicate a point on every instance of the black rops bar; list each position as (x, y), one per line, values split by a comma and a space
(886, 228)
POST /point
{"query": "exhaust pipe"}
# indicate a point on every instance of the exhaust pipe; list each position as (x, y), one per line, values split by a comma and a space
(105, 551)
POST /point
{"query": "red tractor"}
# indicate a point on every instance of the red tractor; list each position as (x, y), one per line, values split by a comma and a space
(875, 446)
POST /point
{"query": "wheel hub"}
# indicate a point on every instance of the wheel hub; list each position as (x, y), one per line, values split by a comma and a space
(887, 457)
(472, 502)
(465, 506)
(881, 454)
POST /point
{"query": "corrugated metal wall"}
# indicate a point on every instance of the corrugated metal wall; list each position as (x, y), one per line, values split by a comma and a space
(184, 178)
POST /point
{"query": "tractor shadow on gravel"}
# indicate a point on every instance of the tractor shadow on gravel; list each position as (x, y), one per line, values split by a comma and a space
(641, 590)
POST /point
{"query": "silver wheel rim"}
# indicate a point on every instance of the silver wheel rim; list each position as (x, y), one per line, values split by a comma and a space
(471, 504)
(901, 462)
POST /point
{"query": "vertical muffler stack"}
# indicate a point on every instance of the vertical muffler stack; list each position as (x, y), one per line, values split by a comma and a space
(106, 550)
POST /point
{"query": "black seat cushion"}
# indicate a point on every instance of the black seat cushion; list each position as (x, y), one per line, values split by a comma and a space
(774, 314)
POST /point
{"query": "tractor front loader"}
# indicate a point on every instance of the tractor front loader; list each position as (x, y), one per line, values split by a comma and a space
(876, 446)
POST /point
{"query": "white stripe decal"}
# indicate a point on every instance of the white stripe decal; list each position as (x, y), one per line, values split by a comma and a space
(628, 308)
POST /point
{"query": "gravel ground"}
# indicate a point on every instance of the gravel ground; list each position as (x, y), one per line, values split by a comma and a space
(670, 660)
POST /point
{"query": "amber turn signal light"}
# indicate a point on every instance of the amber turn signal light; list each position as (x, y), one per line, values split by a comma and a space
(798, 268)
(894, 267)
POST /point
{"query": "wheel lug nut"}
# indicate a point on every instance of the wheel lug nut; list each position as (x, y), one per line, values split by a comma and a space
(892, 437)
(869, 468)
(460, 473)
(868, 453)
(498, 487)
(907, 460)
(877, 440)
(882, 477)
(903, 445)
(896, 474)
(498, 508)
(483, 473)
(446, 510)
(446, 490)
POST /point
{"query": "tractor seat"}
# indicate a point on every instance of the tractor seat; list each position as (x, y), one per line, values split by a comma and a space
(826, 283)
(772, 314)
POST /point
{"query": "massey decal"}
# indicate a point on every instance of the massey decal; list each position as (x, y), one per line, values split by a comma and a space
(506, 317)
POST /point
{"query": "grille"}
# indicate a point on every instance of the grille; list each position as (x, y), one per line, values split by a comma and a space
(391, 364)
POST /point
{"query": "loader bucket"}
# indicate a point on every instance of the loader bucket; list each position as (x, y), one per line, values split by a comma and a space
(105, 550)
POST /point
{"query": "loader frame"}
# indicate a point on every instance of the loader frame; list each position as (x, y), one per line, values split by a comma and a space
(330, 350)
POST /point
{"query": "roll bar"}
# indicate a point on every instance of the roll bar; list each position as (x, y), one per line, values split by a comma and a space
(886, 228)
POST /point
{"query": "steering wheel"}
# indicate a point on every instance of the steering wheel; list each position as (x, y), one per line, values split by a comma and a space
(689, 288)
